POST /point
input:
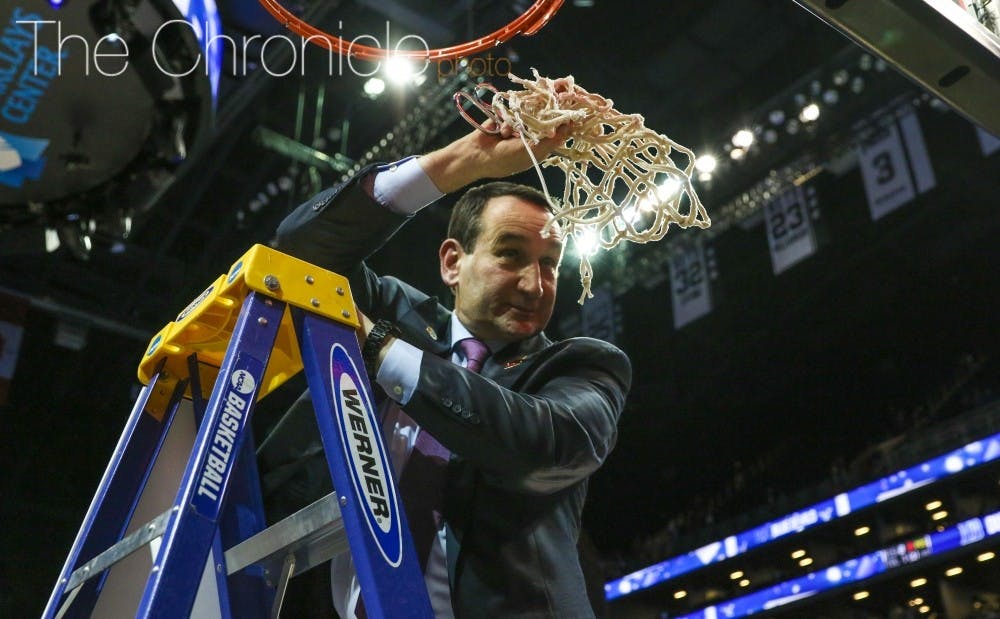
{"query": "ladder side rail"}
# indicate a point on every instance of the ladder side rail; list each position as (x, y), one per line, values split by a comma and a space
(117, 495)
(248, 591)
(190, 534)
(252, 589)
(390, 577)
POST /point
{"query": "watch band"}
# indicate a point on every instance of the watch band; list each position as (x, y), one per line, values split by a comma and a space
(381, 330)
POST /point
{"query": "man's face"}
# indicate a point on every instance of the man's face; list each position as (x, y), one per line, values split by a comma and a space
(505, 287)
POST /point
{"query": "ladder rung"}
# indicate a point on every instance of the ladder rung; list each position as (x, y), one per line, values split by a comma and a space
(128, 544)
(313, 534)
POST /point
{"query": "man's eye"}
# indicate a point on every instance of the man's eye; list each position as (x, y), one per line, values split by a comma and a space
(507, 253)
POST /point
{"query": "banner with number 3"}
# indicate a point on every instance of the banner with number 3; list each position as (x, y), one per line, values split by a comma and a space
(894, 164)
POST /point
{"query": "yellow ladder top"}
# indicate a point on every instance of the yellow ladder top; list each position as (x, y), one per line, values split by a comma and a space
(206, 325)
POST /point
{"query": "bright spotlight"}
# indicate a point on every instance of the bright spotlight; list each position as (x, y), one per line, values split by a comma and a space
(743, 138)
(809, 113)
(668, 189)
(586, 242)
(374, 86)
(399, 70)
(705, 164)
(737, 153)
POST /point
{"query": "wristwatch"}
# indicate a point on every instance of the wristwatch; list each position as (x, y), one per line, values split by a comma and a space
(382, 330)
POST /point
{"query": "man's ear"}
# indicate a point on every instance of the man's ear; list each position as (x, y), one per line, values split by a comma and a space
(450, 256)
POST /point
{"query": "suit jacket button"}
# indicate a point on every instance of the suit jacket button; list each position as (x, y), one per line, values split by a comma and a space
(457, 409)
(447, 402)
(466, 414)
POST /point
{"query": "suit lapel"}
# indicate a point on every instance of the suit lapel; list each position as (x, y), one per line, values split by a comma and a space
(428, 326)
(508, 365)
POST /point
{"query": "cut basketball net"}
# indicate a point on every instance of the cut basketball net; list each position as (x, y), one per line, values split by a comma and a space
(606, 153)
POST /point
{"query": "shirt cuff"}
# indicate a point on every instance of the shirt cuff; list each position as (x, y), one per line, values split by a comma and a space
(403, 187)
(400, 370)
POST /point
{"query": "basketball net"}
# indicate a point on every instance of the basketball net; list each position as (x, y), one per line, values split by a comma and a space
(607, 153)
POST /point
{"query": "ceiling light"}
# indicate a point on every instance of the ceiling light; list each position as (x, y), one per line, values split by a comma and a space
(798, 553)
(806, 562)
(770, 136)
(941, 515)
(809, 113)
(830, 97)
(737, 153)
(933, 505)
(739, 574)
(916, 601)
(743, 138)
(953, 571)
(857, 84)
(705, 163)
(863, 530)
(860, 595)
(679, 594)
(918, 582)
(986, 556)
(374, 86)
(587, 242)
(924, 609)
(792, 127)
(668, 189)
(777, 117)
(399, 70)
(745, 582)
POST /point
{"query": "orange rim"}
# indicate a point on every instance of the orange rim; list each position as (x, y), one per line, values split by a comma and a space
(528, 23)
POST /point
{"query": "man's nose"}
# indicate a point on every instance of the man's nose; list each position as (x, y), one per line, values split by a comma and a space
(531, 280)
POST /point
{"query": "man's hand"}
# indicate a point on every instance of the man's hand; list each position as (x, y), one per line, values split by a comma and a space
(479, 155)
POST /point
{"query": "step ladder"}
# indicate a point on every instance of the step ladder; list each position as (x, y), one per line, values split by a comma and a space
(177, 526)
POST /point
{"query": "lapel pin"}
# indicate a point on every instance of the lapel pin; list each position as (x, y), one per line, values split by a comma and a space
(513, 363)
(432, 333)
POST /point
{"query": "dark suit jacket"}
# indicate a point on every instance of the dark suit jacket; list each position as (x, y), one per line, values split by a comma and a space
(526, 432)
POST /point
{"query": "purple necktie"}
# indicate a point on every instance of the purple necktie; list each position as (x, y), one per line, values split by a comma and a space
(475, 353)
(422, 481)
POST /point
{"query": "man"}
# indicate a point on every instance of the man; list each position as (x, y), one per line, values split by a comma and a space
(524, 433)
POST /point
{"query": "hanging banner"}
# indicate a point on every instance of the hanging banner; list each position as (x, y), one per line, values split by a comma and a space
(788, 219)
(12, 311)
(988, 142)
(599, 316)
(689, 285)
(894, 164)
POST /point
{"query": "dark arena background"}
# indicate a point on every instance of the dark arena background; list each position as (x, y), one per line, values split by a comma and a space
(814, 424)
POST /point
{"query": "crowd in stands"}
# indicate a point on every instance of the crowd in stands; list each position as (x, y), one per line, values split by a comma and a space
(750, 495)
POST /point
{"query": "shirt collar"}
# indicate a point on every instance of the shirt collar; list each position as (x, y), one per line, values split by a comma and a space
(459, 332)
